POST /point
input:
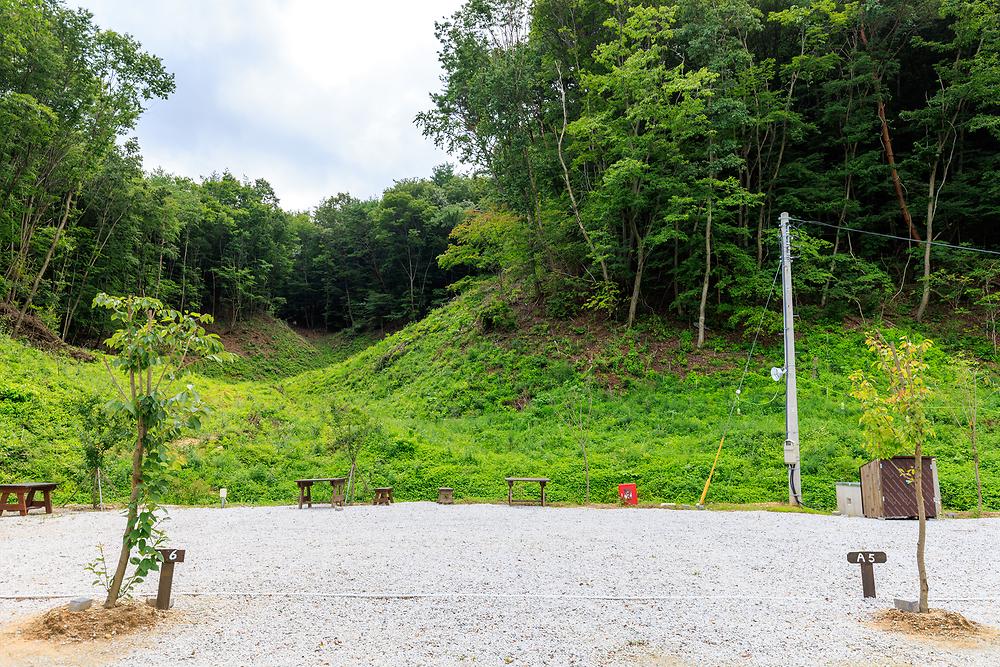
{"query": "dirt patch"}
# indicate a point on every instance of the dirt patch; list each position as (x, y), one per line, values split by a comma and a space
(638, 653)
(91, 638)
(937, 625)
(62, 625)
(38, 335)
(258, 336)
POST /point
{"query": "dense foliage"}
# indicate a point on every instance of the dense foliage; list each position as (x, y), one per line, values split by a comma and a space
(647, 146)
(78, 216)
(634, 155)
(441, 404)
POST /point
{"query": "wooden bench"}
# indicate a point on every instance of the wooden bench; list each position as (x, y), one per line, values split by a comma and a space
(25, 494)
(383, 496)
(511, 500)
(336, 490)
(446, 496)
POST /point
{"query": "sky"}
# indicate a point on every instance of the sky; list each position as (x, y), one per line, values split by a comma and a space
(315, 96)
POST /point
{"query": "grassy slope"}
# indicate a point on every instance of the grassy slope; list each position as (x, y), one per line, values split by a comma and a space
(455, 407)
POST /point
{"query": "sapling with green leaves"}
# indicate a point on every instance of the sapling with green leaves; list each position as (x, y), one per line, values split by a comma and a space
(153, 347)
(101, 433)
(968, 375)
(893, 396)
(350, 430)
(578, 415)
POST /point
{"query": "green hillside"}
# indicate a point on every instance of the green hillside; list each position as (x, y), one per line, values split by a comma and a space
(451, 401)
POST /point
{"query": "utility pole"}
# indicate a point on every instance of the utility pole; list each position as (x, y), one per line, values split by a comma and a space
(791, 397)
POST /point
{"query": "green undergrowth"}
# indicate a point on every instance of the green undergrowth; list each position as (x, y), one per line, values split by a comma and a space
(449, 401)
(268, 349)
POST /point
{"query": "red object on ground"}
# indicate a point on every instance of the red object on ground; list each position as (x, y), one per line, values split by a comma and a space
(628, 494)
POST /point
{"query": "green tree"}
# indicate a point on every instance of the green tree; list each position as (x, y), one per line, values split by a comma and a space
(968, 64)
(68, 90)
(645, 113)
(893, 397)
(151, 348)
(968, 376)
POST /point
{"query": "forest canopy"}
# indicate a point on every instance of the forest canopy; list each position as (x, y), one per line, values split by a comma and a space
(647, 148)
(620, 157)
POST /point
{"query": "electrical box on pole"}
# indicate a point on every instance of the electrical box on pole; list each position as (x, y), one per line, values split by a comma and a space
(791, 397)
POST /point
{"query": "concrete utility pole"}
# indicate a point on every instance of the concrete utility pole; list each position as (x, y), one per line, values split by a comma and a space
(791, 397)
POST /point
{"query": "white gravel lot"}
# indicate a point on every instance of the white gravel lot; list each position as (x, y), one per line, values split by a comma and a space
(423, 584)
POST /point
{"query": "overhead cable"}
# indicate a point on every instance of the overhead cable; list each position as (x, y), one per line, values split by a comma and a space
(939, 244)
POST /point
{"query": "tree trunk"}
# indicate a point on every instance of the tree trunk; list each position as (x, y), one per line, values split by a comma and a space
(184, 266)
(350, 481)
(45, 264)
(677, 265)
(897, 184)
(636, 285)
(848, 156)
(708, 275)
(973, 423)
(890, 155)
(922, 526)
(931, 208)
(569, 184)
(350, 311)
(133, 511)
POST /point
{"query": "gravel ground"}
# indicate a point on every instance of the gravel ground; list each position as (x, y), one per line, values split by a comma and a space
(423, 584)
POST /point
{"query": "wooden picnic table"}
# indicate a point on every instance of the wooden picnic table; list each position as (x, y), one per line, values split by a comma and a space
(383, 496)
(336, 490)
(25, 494)
(511, 500)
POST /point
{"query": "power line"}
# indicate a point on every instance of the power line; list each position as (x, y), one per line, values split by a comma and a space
(739, 389)
(939, 244)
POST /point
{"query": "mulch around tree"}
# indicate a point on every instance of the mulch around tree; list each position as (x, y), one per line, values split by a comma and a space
(936, 624)
(96, 623)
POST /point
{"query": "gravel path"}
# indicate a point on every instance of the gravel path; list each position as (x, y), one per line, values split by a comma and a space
(422, 584)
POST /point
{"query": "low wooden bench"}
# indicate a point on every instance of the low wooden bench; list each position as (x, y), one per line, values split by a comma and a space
(336, 490)
(25, 494)
(446, 495)
(511, 500)
(383, 496)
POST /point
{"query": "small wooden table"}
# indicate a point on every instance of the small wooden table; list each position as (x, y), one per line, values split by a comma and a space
(25, 493)
(336, 490)
(511, 500)
(383, 496)
(446, 496)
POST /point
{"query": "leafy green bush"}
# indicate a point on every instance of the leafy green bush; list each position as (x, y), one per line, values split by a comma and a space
(497, 315)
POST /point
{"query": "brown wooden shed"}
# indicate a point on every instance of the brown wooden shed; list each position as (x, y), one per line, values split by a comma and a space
(888, 491)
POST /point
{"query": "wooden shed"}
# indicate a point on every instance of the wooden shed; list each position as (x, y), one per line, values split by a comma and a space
(888, 491)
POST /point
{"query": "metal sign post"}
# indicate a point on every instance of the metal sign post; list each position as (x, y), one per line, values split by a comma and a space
(791, 397)
(867, 559)
(170, 558)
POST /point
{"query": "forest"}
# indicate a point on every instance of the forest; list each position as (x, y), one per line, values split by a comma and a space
(620, 157)
(583, 279)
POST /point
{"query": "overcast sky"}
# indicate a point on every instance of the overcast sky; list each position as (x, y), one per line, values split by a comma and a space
(316, 96)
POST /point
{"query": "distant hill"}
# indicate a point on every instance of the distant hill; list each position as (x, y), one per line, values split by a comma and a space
(470, 394)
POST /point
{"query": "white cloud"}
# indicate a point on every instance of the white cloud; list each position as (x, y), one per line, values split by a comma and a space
(318, 97)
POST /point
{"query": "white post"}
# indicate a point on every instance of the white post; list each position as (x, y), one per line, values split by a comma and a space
(791, 397)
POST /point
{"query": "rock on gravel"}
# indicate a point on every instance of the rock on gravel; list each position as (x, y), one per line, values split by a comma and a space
(424, 584)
